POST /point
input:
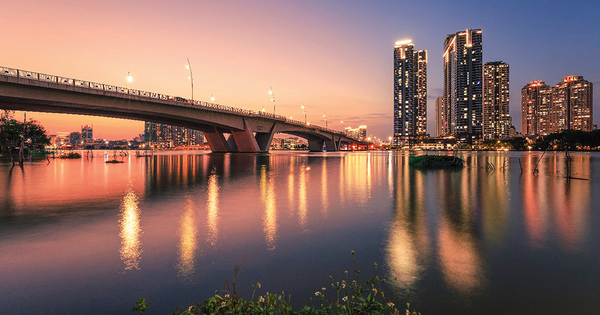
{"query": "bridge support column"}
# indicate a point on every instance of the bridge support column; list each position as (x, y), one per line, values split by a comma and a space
(250, 142)
(217, 142)
(315, 145)
(333, 144)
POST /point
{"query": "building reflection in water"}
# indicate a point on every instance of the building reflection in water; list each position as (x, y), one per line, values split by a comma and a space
(131, 232)
(554, 203)
(269, 217)
(408, 243)
(212, 207)
(458, 249)
(188, 241)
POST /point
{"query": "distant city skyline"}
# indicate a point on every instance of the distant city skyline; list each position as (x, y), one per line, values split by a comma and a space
(334, 58)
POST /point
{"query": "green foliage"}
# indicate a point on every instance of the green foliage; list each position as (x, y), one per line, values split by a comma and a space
(435, 161)
(140, 306)
(11, 132)
(70, 155)
(348, 296)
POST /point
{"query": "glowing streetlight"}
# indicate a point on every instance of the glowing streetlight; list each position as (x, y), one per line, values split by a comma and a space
(212, 98)
(191, 77)
(324, 116)
(129, 80)
(272, 98)
(304, 110)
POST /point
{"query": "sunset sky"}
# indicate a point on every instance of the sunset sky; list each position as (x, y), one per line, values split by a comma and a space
(336, 57)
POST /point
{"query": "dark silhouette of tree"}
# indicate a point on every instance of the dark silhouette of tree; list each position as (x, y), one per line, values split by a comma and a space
(11, 132)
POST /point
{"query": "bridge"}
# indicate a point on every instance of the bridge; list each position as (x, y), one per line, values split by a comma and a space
(226, 128)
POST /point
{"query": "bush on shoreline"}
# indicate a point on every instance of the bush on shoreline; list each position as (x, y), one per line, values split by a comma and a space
(345, 297)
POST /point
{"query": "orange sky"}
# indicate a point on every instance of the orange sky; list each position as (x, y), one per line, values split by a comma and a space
(336, 57)
(236, 53)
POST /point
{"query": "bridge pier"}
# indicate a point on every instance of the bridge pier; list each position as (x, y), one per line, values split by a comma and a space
(243, 141)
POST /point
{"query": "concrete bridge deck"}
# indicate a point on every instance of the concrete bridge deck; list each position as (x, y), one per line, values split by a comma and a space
(227, 129)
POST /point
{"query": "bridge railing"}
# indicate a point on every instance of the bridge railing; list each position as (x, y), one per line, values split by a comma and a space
(173, 100)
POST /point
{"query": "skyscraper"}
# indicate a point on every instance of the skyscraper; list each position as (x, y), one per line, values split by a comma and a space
(496, 116)
(410, 92)
(572, 104)
(439, 119)
(536, 99)
(568, 105)
(463, 108)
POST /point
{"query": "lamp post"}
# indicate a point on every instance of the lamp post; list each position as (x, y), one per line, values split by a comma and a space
(304, 110)
(191, 77)
(324, 116)
(272, 98)
(129, 80)
(212, 98)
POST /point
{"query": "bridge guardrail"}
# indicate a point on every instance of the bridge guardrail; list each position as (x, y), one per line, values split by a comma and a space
(175, 100)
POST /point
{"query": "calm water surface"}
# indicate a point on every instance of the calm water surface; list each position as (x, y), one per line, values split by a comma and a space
(85, 237)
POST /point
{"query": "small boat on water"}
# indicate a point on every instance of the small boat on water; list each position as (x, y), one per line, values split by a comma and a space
(114, 161)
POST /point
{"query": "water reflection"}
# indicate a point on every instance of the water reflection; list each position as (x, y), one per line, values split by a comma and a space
(212, 207)
(188, 241)
(324, 194)
(458, 249)
(409, 242)
(131, 232)
(269, 217)
(302, 196)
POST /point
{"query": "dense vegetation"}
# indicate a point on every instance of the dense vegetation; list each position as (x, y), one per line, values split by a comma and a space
(568, 139)
(12, 131)
(348, 296)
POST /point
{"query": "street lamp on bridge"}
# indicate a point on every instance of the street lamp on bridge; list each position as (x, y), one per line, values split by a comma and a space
(324, 116)
(272, 98)
(304, 110)
(191, 77)
(129, 80)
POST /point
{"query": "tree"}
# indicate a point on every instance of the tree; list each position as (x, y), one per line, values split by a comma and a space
(11, 132)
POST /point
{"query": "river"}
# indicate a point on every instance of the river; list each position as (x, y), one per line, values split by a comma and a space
(86, 237)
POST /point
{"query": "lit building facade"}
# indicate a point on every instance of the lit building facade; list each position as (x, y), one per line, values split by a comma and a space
(463, 89)
(359, 133)
(572, 106)
(496, 116)
(567, 105)
(410, 92)
(439, 119)
(87, 134)
(171, 136)
(536, 98)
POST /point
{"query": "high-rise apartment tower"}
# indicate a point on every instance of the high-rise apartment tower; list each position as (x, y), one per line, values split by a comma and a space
(567, 105)
(410, 92)
(463, 108)
(496, 117)
(536, 98)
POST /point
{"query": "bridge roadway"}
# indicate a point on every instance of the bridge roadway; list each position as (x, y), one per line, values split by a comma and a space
(227, 129)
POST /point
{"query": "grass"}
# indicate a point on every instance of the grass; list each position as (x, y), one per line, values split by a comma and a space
(347, 295)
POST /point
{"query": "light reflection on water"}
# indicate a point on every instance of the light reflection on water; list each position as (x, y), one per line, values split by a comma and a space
(269, 217)
(188, 241)
(212, 207)
(456, 240)
(131, 232)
